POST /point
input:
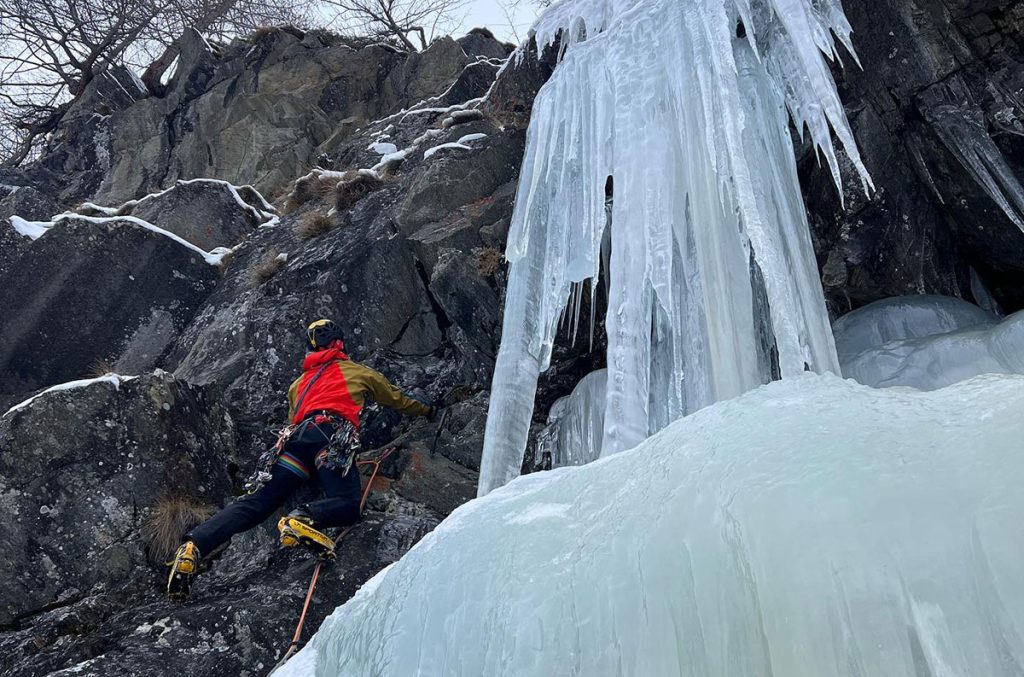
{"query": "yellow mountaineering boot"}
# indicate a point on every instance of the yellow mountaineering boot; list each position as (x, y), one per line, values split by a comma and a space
(297, 529)
(184, 568)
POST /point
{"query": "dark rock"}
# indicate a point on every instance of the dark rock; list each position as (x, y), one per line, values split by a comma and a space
(88, 291)
(12, 244)
(80, 474)
(430, 72)
(78, 153)
(24, 202)
(449, 183)
(207, 213)
(511, 99)
(466, 291)
(436, 482)
(941, 135)
(481, 42)
(472, 83)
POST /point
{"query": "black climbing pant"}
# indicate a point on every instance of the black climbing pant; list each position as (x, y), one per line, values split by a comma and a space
(295, 465)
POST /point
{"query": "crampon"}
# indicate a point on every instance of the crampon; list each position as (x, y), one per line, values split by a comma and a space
(297, 530)
(183, 569)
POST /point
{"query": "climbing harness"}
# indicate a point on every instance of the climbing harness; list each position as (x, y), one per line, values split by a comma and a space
(261, 475)
(294, 646)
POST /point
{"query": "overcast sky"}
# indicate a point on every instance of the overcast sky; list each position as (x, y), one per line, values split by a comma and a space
(488, 13)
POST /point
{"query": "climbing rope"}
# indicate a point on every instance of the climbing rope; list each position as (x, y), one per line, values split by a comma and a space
(294, 646)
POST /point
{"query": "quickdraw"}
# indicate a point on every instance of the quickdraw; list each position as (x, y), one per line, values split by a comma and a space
(261, 475)
(342, 446)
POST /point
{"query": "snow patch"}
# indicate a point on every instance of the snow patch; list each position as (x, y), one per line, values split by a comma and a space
(382, 147)
(430, 151)
(30, 229)
(461, 144)
(113, 379)
(107, 211)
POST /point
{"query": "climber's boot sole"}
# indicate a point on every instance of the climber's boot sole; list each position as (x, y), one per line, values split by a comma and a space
(296, 532)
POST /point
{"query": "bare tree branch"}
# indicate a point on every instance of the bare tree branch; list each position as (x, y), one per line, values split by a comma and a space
(50, 50)
(399, 20)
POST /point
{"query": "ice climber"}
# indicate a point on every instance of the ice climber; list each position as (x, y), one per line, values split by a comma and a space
(321, 442)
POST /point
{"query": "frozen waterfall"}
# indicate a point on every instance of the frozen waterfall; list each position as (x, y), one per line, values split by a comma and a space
(811, 527)
(689, 121)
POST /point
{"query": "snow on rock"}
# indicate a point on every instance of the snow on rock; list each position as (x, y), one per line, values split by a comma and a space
(383, 148)
(264, 212)
(461, 144)
(213, 257)
(430, 151)
(104, 211)
(904, 317)
(30, 229)
(391, 160)
(811, 527)
(928, 343)
(661, 104)
(113, 379)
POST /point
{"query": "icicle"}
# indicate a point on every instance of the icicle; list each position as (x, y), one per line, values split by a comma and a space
(690, 121)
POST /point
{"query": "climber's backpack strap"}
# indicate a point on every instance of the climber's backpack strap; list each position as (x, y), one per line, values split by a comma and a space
(309, 386)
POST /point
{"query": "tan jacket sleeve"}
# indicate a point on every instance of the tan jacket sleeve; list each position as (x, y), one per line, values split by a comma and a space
(293, 393)
(386, 394)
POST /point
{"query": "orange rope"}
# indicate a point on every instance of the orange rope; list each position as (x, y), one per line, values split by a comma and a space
(316, 571)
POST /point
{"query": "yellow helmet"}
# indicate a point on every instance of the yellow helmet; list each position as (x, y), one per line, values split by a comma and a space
(322, 334)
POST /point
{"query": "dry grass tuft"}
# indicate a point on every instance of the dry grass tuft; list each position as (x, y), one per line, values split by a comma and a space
(486, 260)
(313, 224)
(316, 184)
(173, 515)
(266, 268)
(225, 262)
(352, 188)
(266, 31)
(100, 368)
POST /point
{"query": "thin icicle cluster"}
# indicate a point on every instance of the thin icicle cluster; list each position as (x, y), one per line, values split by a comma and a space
(707, 221)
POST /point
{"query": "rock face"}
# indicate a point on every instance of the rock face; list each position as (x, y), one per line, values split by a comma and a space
(256, 111)
(938, 117)
(29, 204)
(81, 472)
(209, 214)
(90, 290)
(408, 263)
(80, 590)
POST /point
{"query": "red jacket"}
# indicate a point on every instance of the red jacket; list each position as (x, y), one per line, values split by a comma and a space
(342, 388)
